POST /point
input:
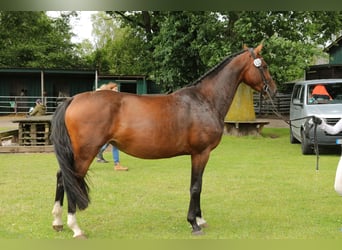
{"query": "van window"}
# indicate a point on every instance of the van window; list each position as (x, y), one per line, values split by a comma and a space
(324, 93)
(298, 94)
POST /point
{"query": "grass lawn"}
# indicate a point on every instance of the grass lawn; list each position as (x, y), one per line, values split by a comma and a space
(253, 188)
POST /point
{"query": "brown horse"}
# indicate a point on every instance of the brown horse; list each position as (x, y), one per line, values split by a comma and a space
(189, 121)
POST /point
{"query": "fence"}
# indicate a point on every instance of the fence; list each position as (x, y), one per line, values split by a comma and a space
(265, 107)
(22, 104)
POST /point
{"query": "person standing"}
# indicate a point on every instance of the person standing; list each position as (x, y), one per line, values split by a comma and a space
(115, 152)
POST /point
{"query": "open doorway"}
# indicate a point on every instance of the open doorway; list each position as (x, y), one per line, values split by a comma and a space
(128, 87)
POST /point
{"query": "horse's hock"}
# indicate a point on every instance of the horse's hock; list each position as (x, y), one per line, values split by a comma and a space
(240, 119)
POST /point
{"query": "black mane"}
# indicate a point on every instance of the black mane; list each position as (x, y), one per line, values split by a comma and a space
(216, 68)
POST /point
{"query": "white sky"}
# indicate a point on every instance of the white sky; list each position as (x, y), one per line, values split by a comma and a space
(81, 25)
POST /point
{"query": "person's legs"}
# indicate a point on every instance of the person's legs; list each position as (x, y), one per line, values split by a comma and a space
(117, 165)
(100, 154)
(115, 153)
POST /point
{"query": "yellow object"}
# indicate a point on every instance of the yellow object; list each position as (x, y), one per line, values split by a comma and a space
(242, 108)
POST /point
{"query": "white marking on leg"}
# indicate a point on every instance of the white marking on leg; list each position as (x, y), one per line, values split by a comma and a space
(57, 214)
(72, 224)
(200, 221)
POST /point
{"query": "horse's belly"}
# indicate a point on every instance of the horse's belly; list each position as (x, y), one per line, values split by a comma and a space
(149, 149)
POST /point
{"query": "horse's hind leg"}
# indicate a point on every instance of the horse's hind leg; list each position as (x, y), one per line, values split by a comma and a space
(57, 210)
(72, 222)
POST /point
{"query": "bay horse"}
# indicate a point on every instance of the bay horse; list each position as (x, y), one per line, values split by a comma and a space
(189, 121)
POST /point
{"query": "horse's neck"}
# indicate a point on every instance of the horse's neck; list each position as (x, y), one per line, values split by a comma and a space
(220, 89)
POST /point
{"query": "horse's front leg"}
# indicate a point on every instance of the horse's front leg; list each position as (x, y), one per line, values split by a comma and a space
(57, 210)
(195, 214)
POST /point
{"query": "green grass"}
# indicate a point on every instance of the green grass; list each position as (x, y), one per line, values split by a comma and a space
(253, 188)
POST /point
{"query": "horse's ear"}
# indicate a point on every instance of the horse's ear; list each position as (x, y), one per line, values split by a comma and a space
(245, 47)
(258, 49)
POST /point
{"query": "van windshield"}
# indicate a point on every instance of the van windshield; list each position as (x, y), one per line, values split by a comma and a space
(325, 93)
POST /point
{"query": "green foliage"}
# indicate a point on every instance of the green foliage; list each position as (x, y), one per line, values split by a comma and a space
(183, 45)
(119, 51)
(32, 39)
(173, 48)
(186, 45)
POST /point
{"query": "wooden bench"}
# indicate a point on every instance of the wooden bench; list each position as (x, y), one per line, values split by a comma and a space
(241, 128)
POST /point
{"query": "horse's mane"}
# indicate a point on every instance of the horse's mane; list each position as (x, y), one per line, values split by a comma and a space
(216, 68)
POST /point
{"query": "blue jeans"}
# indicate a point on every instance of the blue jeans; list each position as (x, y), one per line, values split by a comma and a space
(115, 153)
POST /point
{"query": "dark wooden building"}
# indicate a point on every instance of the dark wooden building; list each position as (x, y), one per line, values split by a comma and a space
(331, 70)
(39, 82)
(20, 87)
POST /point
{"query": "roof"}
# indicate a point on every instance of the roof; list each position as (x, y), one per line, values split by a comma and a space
(334, 44)
(46, 71)
(317, 81)
(319, 66)
(87, 72)
(122, 76)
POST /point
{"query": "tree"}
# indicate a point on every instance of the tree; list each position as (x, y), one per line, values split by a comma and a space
(187, 45)
(293, 40)
(119, 50)
(32, 39)
(183, 45)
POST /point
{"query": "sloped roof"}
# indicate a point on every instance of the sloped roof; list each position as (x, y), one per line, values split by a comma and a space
(333, 44)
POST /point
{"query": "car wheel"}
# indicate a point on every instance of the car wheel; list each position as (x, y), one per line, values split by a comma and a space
(307, 148)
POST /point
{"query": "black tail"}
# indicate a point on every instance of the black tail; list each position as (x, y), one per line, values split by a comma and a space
(75, 186)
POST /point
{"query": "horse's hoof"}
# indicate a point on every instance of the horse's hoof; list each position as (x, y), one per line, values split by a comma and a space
(80, 237)
(57, 228)
(197, 232)
(204, 225)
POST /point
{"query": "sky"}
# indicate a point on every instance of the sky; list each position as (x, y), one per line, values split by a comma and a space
(81, 25)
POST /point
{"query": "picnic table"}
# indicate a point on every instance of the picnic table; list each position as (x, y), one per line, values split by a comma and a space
(34, 130)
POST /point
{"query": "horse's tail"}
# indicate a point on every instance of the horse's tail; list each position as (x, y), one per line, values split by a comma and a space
(75, 186)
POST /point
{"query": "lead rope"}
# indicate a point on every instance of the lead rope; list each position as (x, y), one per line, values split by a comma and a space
(277, 113)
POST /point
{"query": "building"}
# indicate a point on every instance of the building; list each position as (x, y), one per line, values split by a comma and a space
(20, 87)
(331, 70)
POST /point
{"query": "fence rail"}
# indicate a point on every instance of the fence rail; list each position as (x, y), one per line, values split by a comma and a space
(281, 103)
(22, 104)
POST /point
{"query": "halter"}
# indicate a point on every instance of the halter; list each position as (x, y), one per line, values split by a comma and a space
(257, 63)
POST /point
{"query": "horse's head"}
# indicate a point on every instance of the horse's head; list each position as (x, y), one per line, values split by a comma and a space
(257, 74)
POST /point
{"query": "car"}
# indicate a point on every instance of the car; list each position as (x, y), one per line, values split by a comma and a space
(321, 98)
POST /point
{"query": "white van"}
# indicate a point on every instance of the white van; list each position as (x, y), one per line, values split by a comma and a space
(323, 98)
